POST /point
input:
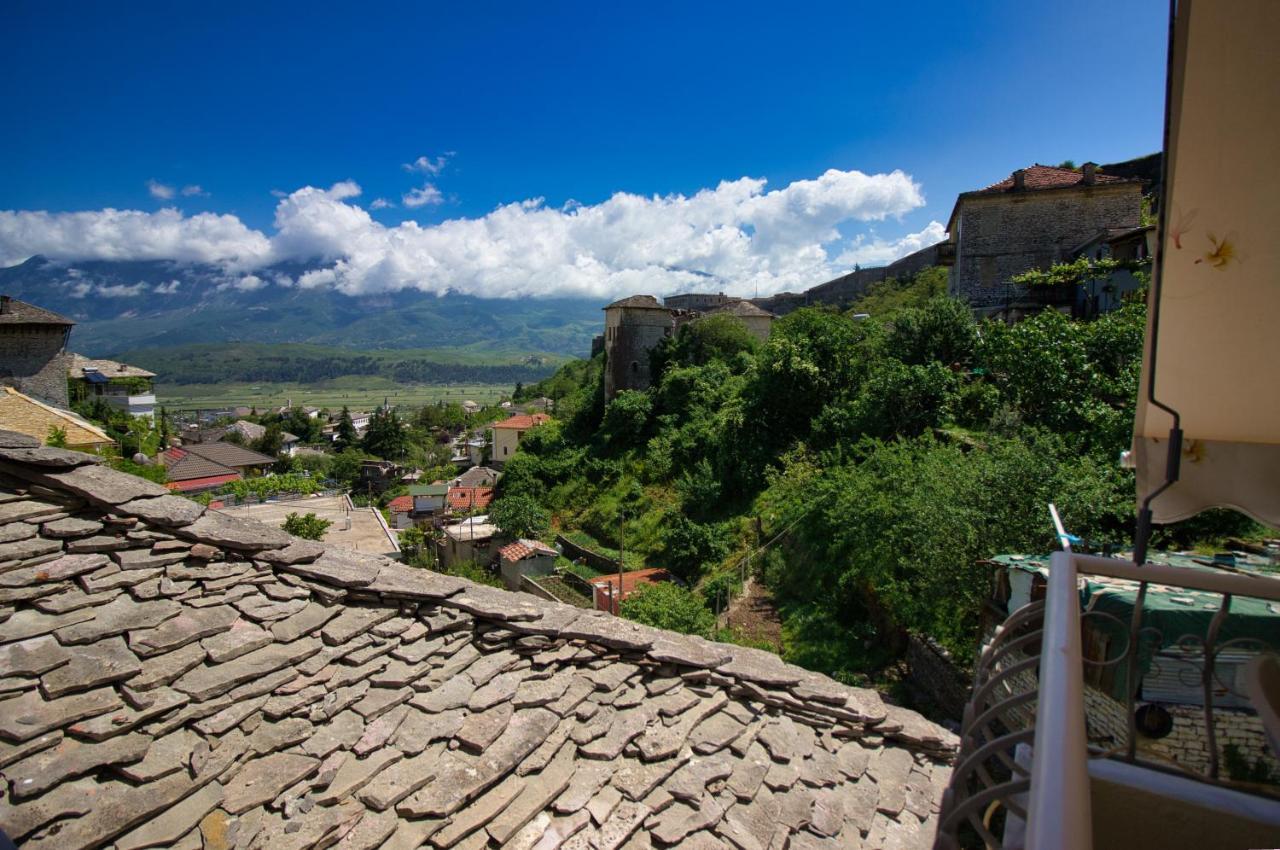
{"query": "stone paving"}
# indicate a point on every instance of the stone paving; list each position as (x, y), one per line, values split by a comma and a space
(176, 678)
(366, 534)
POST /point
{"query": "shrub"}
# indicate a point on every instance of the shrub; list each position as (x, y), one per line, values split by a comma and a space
(308, 527)
(669, 606)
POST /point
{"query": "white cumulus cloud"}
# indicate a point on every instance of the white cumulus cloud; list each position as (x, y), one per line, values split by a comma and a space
(380, 204)
(429, 165)
(111, 234)
(159, 190)
(194, 190)
(426, 195)
(738, 237)
(880, 252)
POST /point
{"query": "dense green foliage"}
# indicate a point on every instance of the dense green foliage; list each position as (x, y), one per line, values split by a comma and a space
(270, 485)
(306, 526)
(668, 606)
(867, 464)
(518, 515)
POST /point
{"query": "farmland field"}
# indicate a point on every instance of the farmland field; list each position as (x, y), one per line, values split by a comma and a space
(358, 392)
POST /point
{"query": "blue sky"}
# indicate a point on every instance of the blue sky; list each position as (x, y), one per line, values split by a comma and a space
(559, 101)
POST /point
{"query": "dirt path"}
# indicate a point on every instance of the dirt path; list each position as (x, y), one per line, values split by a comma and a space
(754, 616)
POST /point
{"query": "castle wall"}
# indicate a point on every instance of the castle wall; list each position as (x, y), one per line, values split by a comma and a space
(852, 286)
(698, 301)
(629, 335)
(1001, 235)
(34, 361)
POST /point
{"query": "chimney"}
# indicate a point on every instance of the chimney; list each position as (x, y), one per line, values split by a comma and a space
(1020, 180)
(1090, 171)
(4, 304)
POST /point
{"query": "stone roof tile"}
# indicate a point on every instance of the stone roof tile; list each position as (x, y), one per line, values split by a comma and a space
(313, 696)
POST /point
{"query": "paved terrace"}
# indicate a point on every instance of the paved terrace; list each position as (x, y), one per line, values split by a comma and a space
(366, 533)
(171, 676)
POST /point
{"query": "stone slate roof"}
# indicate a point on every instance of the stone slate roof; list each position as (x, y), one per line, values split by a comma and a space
(477, 476)
(107, 368)
(742, 308)
(21, 313)
(638, 302)
(180, 678)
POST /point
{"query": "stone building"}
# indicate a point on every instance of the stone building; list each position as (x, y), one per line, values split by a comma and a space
(1033, 218)
(632, 328)
(33, 351)
(703, 301)
(759, 322)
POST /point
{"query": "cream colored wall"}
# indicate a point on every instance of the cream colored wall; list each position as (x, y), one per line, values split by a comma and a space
(21, 415)
(505, 443)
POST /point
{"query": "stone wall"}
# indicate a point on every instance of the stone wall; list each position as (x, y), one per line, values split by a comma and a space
(1186, 745)
(593, 559)
(1004, 234)
(629, 335)
(937, 684)
(698, 301)
(852, 286)
(34, 361)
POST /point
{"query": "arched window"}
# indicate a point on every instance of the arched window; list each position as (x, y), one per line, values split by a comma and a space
(635, 367)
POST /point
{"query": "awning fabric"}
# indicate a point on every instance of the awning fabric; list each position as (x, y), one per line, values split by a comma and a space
(1218, 274)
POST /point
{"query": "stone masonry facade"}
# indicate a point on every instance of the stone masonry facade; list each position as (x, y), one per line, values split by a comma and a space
(630, 333)
(1000, 235)
(34, 361)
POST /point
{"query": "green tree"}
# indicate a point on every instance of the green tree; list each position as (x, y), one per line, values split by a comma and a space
(308, 527)
(386, 437)
(271, 442)
(715, 337)
(346, 436)
(668, 606)
(518, 515)
(345, 467)
(626, 417)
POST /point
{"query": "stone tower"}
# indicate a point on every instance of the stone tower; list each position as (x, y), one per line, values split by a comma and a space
(632, 328)
(33, 351)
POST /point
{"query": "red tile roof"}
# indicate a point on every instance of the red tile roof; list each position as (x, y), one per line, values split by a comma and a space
(524, 548)
(523, 421)
(632, 580)
(401, 504)
(1048, 177)
(183, 466)
(201, 483)
(466, 498)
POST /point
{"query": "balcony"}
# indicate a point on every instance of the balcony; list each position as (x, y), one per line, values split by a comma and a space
(137, 404)
(1058, 750)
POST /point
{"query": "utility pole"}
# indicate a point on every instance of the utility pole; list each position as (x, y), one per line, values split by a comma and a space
(622, 540)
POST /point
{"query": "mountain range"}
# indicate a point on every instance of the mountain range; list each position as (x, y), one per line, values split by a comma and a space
(129, 305)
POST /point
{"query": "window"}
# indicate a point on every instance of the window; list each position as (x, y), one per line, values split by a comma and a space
(987, 270)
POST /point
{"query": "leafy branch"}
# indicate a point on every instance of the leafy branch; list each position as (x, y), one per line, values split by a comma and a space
(1078, 272)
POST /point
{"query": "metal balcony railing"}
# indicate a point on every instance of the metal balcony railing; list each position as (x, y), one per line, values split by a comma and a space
(1038, 732)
